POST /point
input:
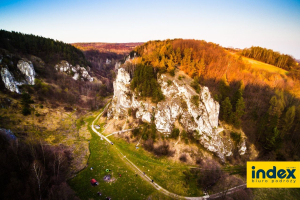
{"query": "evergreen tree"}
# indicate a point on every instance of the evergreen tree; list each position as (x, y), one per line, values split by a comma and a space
(289, 119)
(226, 110)
(239, 112)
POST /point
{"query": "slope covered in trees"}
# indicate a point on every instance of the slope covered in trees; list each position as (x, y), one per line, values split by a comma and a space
(144, 80)
(269, 56)
(48, 49)
(263, 104)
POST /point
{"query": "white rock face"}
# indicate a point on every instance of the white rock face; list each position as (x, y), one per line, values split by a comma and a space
(9, 81)
(117, 65)
(242, 147)
(79, 72)
(202, 120)
(107, 61)
(26, 67)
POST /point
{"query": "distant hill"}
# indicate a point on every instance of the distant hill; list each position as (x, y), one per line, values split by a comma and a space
(117, 48)
(103, 57)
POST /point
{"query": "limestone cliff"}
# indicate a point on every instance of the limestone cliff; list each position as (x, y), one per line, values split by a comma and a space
(77, 71)
(24, 67)
(202, 119)
(9, 81)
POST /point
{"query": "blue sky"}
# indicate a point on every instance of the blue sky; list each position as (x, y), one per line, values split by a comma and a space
(272, 24)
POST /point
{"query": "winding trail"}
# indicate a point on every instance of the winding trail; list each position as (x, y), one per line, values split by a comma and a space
(145, 177)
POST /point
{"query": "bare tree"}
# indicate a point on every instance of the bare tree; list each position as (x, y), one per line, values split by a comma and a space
(38, 173)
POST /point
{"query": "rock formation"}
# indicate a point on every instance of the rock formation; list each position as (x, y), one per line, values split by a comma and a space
(77, 71)
(27, 69)
(9, 80)
(202, 120)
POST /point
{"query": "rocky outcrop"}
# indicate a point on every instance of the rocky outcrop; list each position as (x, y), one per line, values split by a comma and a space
(242, 147)
(200, 119)
(26, 67)
(77, 71)
(24, 73)
(9, 81)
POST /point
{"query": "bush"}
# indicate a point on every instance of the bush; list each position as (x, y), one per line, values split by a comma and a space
(175, 133)
(183, 104)
(195, 100)
(184, 136)
(172, 72)
(236, 137)
(163, 150)
(196, 86)
(183, 158)
(68, 109)
(148, 145)
(136, 132)
(129, 111)
(169, 82)
(26, 111)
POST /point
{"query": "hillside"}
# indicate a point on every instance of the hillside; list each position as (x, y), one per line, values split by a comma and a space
(269, 56)
(47, 88)
(271, 109)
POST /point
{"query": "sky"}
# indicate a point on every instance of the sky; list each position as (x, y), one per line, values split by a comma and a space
(273, 24)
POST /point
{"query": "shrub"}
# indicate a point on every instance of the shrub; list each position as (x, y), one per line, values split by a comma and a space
(195, 100)
(129, 111)
(136, 132)
(184, 136)
(26, 111)
(172, 72)
(169, 82)
(148, 145)
(163, 150)
(175, 133)
(236, 137)
(183, 158)
(196, 86)
(183, 104)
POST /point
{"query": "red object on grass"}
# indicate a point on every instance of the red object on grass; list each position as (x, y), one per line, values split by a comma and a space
(93, 181)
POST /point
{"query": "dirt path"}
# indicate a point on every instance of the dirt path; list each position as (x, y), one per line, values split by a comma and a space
(146, 178)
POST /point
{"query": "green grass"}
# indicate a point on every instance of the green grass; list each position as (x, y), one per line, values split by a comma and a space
(167, 174)
(104, 156)
(264, 66)
(276, 193)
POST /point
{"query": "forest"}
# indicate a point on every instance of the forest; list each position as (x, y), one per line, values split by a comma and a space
(47, 49)
(145, 81)
(261, 104)
(33, 169)
(50, 85)
(271, 57)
